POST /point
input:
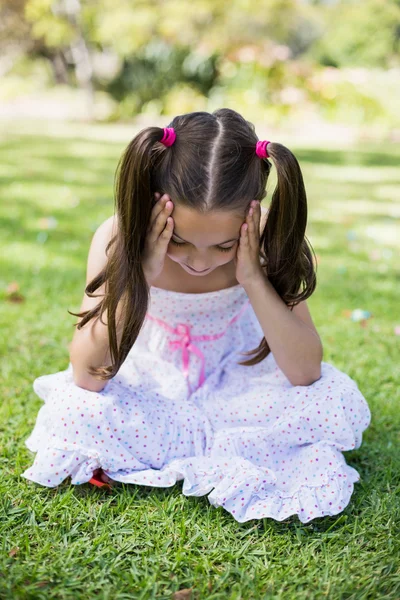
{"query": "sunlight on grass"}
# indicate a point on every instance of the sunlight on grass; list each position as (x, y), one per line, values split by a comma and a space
(55, 191)
(388, 232)
(37, 256)
(357, 207)
(354, 174)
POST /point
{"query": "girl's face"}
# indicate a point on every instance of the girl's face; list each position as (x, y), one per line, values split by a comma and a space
(202, 242)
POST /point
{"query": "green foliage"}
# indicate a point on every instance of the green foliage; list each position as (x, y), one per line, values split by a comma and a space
(154, 71)
(53, 29)
(360, 34)
(262, 57)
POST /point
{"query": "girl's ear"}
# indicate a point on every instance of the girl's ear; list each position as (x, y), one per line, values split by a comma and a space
(155, 198)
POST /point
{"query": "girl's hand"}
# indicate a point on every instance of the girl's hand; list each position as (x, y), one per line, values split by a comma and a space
(247, 258)
(159, 232)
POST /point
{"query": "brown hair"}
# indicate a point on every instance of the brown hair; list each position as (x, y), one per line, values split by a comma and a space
(212, 165)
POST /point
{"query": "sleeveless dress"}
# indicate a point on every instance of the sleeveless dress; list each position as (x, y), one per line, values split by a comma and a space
(182, 408)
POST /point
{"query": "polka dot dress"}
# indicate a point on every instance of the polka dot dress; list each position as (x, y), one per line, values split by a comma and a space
(182, 408)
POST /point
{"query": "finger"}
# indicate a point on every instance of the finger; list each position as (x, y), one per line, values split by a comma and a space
(155, 199)
(157, 209)
(259, 213)
(257, 210)
(244, 238)
(254, 226)
(157, 226)
(256, 206)
(250, 220)
(166, 233)
(162, 219)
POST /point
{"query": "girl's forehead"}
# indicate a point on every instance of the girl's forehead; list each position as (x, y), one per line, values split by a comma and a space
(189, 215)
(219, 226)
(189, 218)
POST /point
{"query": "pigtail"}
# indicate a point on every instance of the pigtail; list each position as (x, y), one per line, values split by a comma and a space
(126, 297)
(287, 255)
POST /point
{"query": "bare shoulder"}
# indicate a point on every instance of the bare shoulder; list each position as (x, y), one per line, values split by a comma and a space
(97, 257)
(107, 229)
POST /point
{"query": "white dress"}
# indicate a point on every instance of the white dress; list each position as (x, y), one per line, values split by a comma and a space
(181, 408)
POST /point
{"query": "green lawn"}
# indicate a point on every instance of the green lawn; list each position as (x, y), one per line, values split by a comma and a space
(142, 542)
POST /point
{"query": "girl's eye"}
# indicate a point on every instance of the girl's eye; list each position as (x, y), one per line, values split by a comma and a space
(224, 249)
(219, 247)
(177, 243)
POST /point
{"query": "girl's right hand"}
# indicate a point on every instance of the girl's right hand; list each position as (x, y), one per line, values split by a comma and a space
(159, 232)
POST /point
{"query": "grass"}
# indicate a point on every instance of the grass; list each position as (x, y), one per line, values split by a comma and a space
(140, 542)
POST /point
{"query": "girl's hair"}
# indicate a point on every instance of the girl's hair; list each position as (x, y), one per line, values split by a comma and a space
(212, 165)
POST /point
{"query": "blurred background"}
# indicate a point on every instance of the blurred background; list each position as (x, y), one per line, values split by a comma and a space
(283, 62)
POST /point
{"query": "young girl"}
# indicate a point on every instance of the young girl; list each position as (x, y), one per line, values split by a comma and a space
(188, 278)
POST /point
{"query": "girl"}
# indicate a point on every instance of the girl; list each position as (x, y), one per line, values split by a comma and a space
(191, 276)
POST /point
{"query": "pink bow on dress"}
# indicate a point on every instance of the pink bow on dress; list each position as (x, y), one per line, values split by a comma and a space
(185, 342)
(187, 346)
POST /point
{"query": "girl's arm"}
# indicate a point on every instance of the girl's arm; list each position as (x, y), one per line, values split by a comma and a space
(291, 335)
(90, 345)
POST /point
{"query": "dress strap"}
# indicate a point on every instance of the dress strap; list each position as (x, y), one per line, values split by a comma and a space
(185, 342)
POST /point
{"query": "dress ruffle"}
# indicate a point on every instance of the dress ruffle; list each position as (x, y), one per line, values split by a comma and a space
(240, 487)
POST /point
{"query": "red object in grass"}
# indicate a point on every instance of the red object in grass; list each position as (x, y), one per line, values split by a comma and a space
(96, 480)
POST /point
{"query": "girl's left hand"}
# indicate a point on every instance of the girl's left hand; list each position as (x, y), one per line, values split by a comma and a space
(247, 258)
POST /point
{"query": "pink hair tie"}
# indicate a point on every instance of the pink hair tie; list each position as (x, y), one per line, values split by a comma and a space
(261, 149)
(169, 136)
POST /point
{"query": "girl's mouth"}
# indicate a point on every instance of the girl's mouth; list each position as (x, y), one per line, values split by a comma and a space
(194, 270)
